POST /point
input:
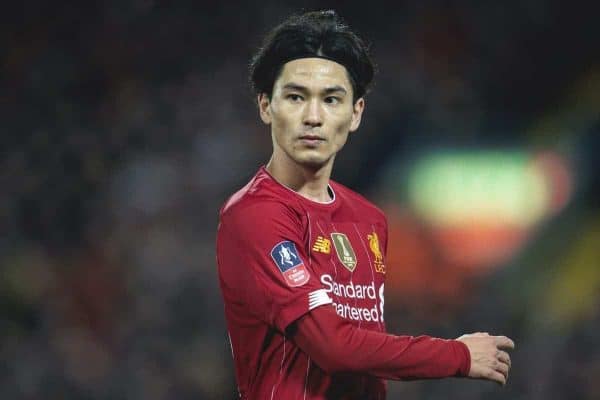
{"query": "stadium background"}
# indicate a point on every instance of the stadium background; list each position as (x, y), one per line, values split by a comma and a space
(126, 124)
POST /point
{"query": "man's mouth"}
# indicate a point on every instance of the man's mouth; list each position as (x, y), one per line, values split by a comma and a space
(311, 141)
(312, 138)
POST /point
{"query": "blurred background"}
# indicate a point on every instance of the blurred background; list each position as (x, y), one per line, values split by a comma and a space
(126, 124)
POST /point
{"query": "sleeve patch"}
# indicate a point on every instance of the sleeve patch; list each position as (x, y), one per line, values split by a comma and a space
(290, 264)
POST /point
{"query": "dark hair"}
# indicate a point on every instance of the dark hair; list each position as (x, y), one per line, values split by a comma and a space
(313, 34)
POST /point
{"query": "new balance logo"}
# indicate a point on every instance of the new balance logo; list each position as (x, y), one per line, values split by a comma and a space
(322, 245)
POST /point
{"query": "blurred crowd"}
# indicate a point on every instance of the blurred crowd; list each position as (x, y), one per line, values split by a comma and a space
(126, 125)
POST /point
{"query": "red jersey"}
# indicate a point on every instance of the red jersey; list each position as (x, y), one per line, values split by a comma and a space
(281, 255)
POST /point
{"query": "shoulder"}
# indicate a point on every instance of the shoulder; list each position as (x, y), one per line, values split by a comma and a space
(360, 204)
(257, 204)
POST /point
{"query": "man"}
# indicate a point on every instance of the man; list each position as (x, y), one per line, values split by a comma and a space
(302, 258)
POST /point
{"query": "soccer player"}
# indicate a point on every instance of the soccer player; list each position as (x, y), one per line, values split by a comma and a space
(301, 258)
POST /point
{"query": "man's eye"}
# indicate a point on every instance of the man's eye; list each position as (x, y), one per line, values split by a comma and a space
(332, 100)
(294, 97)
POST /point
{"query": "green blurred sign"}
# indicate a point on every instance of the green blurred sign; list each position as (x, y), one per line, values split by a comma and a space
(483, 187)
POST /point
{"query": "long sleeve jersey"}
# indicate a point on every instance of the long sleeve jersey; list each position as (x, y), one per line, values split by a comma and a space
(303, 288)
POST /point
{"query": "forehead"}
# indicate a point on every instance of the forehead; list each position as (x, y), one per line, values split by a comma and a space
(314, 72)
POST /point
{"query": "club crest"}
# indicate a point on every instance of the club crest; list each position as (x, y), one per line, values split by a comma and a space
(376, 250)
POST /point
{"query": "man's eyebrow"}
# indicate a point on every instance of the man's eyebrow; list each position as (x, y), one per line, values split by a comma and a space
(333, 89)
(295, 86)
(327, 90)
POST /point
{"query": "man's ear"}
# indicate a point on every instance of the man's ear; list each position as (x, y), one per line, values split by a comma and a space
(357, 111)
(264, 106)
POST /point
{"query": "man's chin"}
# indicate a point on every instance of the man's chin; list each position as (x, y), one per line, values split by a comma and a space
(313, 163)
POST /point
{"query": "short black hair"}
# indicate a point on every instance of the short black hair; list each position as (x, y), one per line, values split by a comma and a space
(313, 34)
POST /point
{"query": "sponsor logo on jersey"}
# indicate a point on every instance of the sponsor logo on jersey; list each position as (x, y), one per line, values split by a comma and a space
(322, 245)
(376, 250)
(290, 264)
(345, 296)
(344, 250)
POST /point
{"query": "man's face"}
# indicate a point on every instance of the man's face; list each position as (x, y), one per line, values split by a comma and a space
(311, 111)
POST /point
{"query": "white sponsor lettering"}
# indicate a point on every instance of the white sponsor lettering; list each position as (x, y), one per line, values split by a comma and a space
(357, 313)
(352, 291)
(381, 301)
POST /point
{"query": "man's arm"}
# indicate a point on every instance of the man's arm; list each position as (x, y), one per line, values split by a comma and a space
(336, 345)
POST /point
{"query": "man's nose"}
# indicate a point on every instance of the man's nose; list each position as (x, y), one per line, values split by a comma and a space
(313, 113)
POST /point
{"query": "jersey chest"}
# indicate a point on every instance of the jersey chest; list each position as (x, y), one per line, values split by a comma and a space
(349, 261)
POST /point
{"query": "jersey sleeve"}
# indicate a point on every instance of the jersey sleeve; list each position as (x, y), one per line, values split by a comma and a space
(337, 346)
(263, 264)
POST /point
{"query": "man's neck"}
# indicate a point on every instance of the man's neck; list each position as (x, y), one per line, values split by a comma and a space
(307, 182)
